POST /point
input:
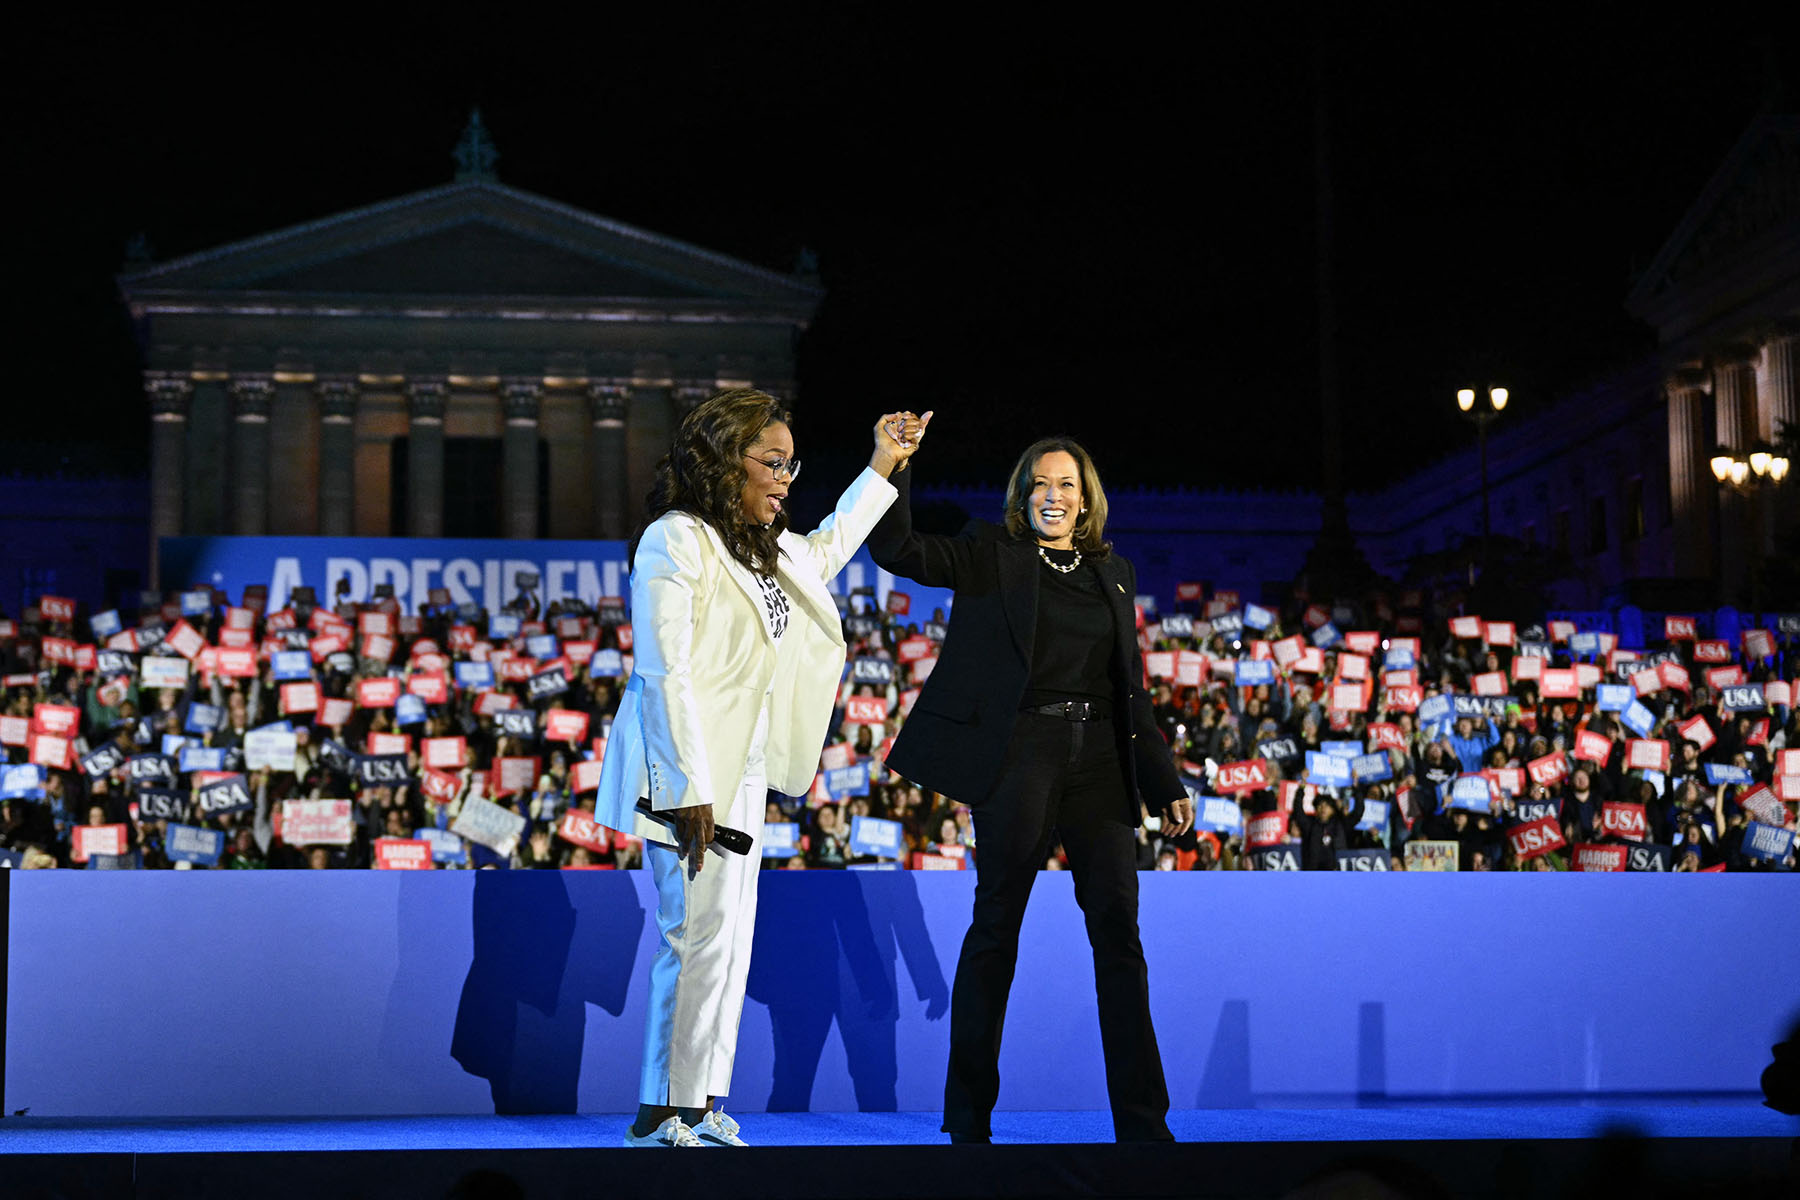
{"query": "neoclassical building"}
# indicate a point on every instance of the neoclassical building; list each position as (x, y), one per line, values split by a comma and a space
(470, 360)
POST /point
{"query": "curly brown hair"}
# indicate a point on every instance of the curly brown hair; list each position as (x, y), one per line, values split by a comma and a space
(703, 474)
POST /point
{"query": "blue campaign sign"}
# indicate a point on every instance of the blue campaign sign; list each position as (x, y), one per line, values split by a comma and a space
(1437, 708)
(203, 718)
(1278, 858)
(504, 625)
(844, 782)
(1469, 706)
(202, 847)
(780, 839)
(1533, 649)
(1251, 673)
(1374, 816)
(1257, 617)
(1656, 779)
(202, 758)
(1769, 843)
(1399, 658)
(196, 604)
(161, 804)
(105, 624)
(1585, 644)
(1344, 749)
(1648, 857)
(172, 744)
(1526, 811)
(1718, 773)
(152, 769)
(1219, 814)
(1364, 860)
(21, 781)
(1230, 624)
(474, 675)
(1638, 719)
(871, 670)
(114, 662)
(876, 837)
(1471, 792)
(231, 794)
(1615, 697)
(282, 726)
(1743, 697)
(542, 645)
(606, 664)
(516, 722)
(1326, 636)
(1327, 770)
(1178, 625)
(1371, 768)
(409, 710)
(291, 665)
(446, 847)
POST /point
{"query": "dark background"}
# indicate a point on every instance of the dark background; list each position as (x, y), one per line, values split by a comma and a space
(1101, 226)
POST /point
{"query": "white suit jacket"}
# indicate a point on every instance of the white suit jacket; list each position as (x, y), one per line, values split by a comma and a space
(705, 658)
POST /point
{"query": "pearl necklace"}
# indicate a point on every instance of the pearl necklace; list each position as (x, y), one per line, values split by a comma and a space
(1056, 566)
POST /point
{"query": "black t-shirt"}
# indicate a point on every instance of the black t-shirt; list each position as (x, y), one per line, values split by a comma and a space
(1071, 656)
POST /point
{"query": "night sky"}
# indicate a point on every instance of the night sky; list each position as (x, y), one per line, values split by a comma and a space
(1094, 227)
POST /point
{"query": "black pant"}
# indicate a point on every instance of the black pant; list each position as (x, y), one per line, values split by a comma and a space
(1063, 776)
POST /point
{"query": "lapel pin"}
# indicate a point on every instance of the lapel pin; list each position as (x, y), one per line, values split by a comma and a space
(1121, 588)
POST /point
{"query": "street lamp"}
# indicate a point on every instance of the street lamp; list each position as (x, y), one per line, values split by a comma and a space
(1465, 400)
(1755, 474)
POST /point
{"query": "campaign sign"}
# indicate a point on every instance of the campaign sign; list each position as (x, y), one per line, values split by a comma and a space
(1245, 776)
(1787, 762)
(865, 710)
(1585, 644)
(202, 847)
(1375, 814)
(1219, 815)
(21, 781)
(227, 795)
(1758, 643)
(1646, 754)
(1178, 625)
(203, 718)
(115, 662)
(103, 760)
(409, 709)
(1160, 664)
(1724, 677)
(1281, 749)
(542, 646)
(270, 748)
(545, 684)
(1288, 650)
(877, 838)
(334, 711)
(1281, 858)
(236, 663)
(1648, 857)
(447, 753)
(106, 624)
(1718, 773)
(1614, 697)
(1438, 708)
(1383, 736)
(381, 770)
(579, 828)
(1327, 770)
(446, 847)
(565, 725)
(844, 782)
(1489, 683)
(300, 697)
(1747, 697)
(89, 840)
(518, 722)
(473, 675)
(488, 824)
(1638, 719)
(1404, 699)
(431, 687)
(1326, 636)
(514, 774)
(1535, 837)
(161, 804)
(607, 664)
(1531, 810)
(202, 758)
(1712, 652)
(1622, 820)
(337, 756)
(152, 769)
(872, 670)
(1592, 857)
(1471, 792)
(377, 693)
(1674, 675)
(439, 786)
(1560, 683)
(1768, 843)
(1399, 658)
(1371, 768)
(1250, 674)
(780, 839)
(1364, 860)
(1265, 829)
(1761, 804)
(1549, 770)
(1465, 627)
(402, 854)
(503, 625)
(1423, 855)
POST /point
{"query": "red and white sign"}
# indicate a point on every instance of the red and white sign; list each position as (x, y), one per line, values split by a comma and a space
(377, 693)
(49, 750)
(1397, 679)
(377, 646)
(565, 725)
(1353, 668)
(1647, 683)
(1587, 675)
(334, 711)
(375, 623)
(581, 829)
(865, 710)
(1534, 838)
(1787, 762)
(1510, 780)
(1499, 633)
(462, 638)
(1246, 776)
(1288, 650)
(1385, 736)
(1160, 664)
(15, 731)
(1787, 787)
(1350, 697)
(1712, 651)
(299, 698)
(235, 664)
(389, 743)
(1679, 629)
(1778, 691)
(185, 640)
(1674, 675)
(586, 775)
(580, 653)
(446, 753)
(316, 823)
(1405, 699)
(899, 604)
(1190, 668)
(913, 649)
(1266, 829)
(514, 775)
(626, 638)
(1311, 660)
(1592, 747)
(323, 648)
(1758, 643)
(489, 703)
(402, 854)
(1465, 627)
(56, 608)
(1647, 754)
(1590, 857)
(1620, 819)
(1559, 683)
(1362, 641)
(59, 719)
(85, 840)
(1549, 770)
(430, 686)
(440, 787)
(1189, 592)
(515, 670)
(1724, 677)
(1489, 683)
(1527, 666)
(1562, 631)
(236, 639)
(1760, 803)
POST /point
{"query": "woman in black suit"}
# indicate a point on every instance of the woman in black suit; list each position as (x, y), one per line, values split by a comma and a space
(1036, 717)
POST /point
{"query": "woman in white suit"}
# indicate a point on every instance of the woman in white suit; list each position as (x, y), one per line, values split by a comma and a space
(739, 652)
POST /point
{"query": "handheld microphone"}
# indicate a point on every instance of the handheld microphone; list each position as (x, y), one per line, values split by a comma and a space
(724, 836)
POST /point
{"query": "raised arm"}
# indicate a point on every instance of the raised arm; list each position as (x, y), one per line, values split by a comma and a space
(870, 494)
(930, 559)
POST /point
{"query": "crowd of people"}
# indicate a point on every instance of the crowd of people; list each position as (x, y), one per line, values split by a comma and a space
(201, 733)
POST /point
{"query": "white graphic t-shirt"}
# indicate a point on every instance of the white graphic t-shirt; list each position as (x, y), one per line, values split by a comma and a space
(775, 605)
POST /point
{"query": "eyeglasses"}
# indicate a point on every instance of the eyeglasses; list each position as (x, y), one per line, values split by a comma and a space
(780, 466)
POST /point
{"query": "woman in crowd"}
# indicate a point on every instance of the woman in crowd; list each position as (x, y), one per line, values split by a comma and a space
(1035, 717)
(738, 649)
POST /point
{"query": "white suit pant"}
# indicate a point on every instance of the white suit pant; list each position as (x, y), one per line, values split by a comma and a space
(702, 963)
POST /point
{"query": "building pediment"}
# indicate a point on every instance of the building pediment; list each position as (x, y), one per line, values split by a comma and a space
(469, 239)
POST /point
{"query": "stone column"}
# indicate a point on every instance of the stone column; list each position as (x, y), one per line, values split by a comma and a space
(1780, 390)
(1692, 490)
(1734, 398)
(250, 456)
(610, 479)
(337, 458)
(425, 459)
(294, 454)
(519, 461)
(168, 396)
(208, 453)
(648, 433)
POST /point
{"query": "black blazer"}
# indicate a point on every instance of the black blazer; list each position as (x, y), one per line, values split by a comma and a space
(955, 739)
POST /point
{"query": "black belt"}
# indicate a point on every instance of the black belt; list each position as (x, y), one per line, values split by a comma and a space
(1075, 710)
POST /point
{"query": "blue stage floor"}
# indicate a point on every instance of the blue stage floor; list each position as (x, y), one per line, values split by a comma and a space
(1389, 1121)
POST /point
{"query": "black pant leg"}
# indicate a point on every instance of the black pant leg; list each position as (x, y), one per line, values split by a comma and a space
(1102, 851)
(1012, 834)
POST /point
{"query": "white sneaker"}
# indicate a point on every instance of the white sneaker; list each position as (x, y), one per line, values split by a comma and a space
(673, 1133)
(717, 1129)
